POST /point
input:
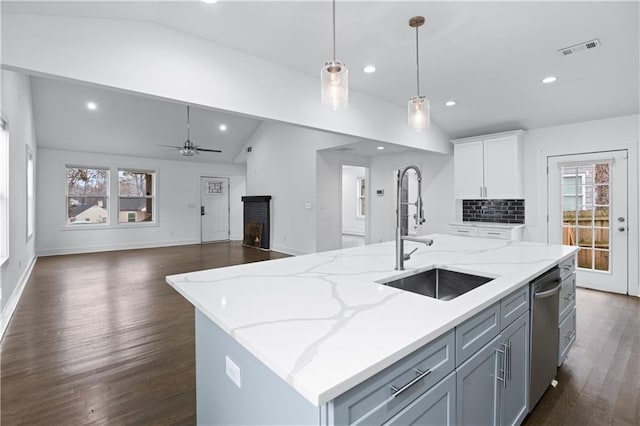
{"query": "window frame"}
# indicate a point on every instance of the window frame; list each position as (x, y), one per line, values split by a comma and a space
(31, 192)
(107, 196)
(361, 197)
(153, 197)
(5, 164)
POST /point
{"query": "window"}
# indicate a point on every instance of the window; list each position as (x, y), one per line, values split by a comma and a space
(87, 196)
(31, 213)
(136, 191)
(4, 191)
(573, 191)
(361, 197)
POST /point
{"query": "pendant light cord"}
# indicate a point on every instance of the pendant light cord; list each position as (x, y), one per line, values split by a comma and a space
(417, 64)
(334, 31)
(188, 124)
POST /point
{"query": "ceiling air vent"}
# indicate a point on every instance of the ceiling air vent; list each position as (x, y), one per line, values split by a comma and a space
(587, 45)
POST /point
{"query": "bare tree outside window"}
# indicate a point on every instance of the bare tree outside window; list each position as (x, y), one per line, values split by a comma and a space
(87, 195)
(136, 191)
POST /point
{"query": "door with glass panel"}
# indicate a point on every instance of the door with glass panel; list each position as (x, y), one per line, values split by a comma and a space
(588, 208)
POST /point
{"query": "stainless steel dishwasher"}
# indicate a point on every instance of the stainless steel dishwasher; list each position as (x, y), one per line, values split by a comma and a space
(545, 292)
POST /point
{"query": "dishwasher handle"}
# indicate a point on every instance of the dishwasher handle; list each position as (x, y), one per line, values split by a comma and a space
(549, 293)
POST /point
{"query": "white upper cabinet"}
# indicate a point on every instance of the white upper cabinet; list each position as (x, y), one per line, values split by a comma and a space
(489, 166)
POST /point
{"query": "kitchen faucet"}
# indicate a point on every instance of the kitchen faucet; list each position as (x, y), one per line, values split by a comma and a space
(419, 218)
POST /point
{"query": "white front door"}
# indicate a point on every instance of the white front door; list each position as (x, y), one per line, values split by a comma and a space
(587, 208)
(214, 209)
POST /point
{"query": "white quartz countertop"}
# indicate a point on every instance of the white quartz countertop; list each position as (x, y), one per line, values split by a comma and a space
(323, 324)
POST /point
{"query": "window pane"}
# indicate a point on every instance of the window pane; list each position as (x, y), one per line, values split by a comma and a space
(602, 173)
(569, 235)
(585, 237)
(601, 238)
(135, 210)
(601, 260)
(135, 184)
(585, 258)
(569, 217)
(585, 216)
(87, 210)
(87, 182)
(601, 195)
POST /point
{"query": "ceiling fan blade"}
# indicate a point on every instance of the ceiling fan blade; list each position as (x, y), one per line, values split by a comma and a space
(170, 146)
(208, 150)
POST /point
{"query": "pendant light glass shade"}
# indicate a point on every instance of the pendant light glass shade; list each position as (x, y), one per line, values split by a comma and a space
(419, 113)
(334, 80)
(418, 110)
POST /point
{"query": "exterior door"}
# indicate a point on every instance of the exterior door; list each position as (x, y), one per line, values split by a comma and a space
(214, 209)
(587, 207)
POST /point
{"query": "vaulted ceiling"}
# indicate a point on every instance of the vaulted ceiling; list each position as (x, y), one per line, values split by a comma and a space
(490, 57)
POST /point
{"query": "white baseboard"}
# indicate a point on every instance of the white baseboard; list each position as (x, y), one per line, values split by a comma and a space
(354, 233)
(114, 247)
(12, 303)
(289, 250)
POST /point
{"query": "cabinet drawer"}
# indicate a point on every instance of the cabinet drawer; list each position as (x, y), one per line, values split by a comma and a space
(437, 406)
(476, 332)
(567, 267)
(500, 233)
(373, 401)
(467, 231)
(567, 296)
(566, 336)
(514, 305)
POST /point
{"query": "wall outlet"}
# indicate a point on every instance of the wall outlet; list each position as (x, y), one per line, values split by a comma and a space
(380, 192)
(233, 372)
(307, 206)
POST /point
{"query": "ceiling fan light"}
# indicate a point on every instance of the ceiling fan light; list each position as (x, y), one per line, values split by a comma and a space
(188, 152)
(419, 113)
(334, 80)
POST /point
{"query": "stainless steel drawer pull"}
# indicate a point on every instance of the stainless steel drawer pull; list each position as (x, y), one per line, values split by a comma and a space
(494, 233)
(570, 336)
(503, 379)
(462, 231)
(569, 296)
(421, 375)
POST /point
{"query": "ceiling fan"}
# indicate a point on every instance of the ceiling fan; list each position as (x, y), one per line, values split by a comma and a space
(189, 149)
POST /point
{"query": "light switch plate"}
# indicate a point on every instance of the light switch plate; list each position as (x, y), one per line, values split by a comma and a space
(233, 372)
(307, 206)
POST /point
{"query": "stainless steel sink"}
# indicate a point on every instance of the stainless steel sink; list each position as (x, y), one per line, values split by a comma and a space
(438, 283)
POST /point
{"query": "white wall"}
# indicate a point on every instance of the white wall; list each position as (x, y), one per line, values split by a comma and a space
(437, 193)
(351, 223)
(18, 112)
(155, 60)
(592, 136)
(283, 164)
(329, 197)
(177, 203)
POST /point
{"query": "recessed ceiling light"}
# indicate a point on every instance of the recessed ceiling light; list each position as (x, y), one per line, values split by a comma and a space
(223, 127)
(450, 103)
(381, 147)
(92, 105)
(549, 79)
(369, 69)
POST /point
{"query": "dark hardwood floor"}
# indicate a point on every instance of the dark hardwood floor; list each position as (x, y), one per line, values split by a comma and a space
(102, 339)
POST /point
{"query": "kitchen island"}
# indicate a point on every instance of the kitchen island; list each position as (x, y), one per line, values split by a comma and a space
(295, 334)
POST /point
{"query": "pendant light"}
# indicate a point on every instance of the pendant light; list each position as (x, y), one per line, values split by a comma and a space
(418, 107)
(334, 78)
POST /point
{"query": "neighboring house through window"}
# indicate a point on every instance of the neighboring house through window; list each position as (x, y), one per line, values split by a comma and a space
(136, 196)
(87, 195)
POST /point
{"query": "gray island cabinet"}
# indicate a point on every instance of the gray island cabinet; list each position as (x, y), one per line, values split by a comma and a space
(318, 340)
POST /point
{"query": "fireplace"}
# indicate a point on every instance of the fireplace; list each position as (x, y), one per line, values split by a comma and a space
(257, 221)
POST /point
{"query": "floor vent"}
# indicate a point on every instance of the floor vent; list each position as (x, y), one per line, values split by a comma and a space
(580, 47)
